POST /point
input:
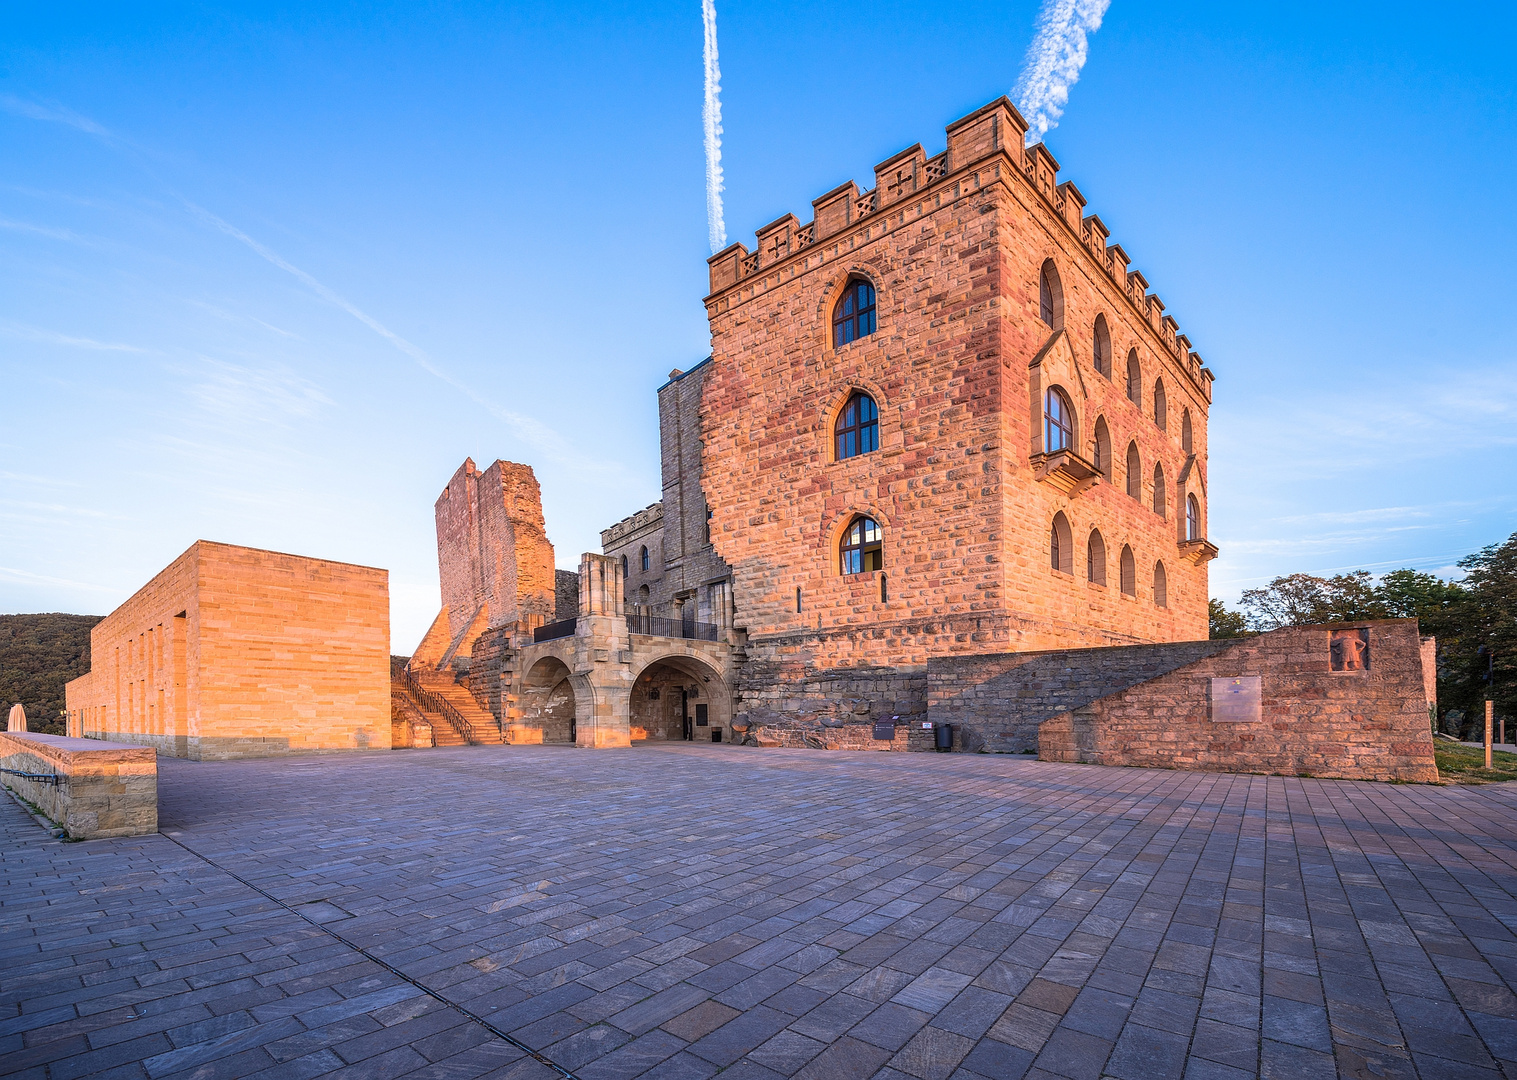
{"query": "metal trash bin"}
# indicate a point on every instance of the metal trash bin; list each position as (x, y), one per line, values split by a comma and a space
(943, 738)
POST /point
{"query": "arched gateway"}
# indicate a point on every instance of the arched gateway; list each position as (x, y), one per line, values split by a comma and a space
(680, 698)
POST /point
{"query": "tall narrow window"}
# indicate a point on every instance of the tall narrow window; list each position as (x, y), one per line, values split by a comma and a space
(1101, 455)
(1060, 546)
(1192, 518)
(1134, 379)
(1161, 496)
(1095, 558)
(708, 526)
(1161, 586)
(1103, 347)
(884, 592)
(1050, 296)
(797, 599)
(1161, 405)
(1134, 472)
(1058, 422)
(858, 427)
(853, 317)
(644, 558)
(1129, 572)
(861, 549)
(624, 566)
(1187, 438)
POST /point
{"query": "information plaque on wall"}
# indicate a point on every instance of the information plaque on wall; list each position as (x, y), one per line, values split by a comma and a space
(1235, 700)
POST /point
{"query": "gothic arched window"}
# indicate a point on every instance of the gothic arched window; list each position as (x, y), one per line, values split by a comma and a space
(1134, 472)
(853, 316)
(1161, 405)
(858, 427)
(1161, 586)
(1187, 437)
(1161, 496)
(1103, 347)
(644, 558)
(1101, 456)
(624, 566)
(1134, 379)
(1058, 421)
(861, 550)
(1192, 518)
(1095, 558)
(1129, 572)
(1061, 551)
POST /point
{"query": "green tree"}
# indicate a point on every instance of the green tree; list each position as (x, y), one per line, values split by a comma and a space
(1304, 599)
(1225, 623)
(1487, 618)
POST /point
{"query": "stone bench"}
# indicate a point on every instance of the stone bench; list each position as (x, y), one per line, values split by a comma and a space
(103, 788)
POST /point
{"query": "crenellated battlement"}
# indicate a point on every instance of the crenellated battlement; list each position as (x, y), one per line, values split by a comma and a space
(910, 184)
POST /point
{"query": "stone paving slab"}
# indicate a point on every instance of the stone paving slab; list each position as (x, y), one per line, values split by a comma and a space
(691, 911)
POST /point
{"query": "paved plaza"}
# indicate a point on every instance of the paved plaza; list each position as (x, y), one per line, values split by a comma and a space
(693, 911)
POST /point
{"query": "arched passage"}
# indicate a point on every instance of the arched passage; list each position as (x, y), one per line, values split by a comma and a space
(680, 698)
(547, 705)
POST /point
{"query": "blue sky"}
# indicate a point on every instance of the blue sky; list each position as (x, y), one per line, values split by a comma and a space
(269, 273)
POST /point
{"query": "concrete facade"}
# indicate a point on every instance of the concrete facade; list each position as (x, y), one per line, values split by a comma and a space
(236, 652)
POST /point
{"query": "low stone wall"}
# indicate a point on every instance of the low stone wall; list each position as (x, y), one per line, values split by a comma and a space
(831, 709)
(105, 789)
(1343, 700)
(997, 700)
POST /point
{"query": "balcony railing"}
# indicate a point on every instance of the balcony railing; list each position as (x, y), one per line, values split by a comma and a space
(652, 624)
(553, 630)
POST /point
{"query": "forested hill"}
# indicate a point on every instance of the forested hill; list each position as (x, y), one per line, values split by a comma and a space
(38, 654)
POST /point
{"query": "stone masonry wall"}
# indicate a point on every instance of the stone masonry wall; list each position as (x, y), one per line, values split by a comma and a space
(954, 485)
(996, 701)
(1369, 724)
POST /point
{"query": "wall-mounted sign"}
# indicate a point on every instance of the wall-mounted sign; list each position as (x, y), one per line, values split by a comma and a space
(1235, 700)
(884, 730)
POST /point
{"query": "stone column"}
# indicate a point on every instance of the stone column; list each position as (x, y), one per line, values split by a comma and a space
(603, 655)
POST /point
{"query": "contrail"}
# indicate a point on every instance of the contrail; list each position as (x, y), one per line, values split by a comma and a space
(1054, 60)
(711, 113)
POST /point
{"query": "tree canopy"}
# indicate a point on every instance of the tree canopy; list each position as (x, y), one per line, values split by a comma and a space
(38, 655)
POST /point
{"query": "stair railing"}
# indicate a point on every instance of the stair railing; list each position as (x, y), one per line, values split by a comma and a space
(436, 703)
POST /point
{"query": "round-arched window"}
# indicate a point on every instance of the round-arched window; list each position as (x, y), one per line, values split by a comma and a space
(1061, 548)
(853, 316)
(624, 566)
(1058, 422)
(1161, 586)
(1095, 558)
(861, 550)
(1192, 518)
(858, 427)
(1129, 572)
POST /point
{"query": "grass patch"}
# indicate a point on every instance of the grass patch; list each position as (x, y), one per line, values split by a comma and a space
(1466, 764)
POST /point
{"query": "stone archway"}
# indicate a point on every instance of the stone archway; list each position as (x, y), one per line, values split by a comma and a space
(671, 689)
(548, 705)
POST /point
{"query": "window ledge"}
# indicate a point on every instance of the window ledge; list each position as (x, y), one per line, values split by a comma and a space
(1064, 470)
(1198, 551)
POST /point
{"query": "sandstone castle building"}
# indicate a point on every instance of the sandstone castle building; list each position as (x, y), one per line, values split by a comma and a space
(943, 417)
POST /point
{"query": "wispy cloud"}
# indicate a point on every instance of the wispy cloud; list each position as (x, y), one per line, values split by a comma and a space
(42, 230)
(529, 430)
(26, 577)
(272, 394)
(711, 117)
(54, 113)
(51, 337)
(1054, 60)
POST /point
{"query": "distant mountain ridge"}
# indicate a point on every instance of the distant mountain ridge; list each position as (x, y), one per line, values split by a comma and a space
(38, 655)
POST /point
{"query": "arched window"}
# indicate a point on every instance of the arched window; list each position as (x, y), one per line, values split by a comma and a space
(624, 567)
(1161, 406)
(1134, 472)
(1192, 518)
(858, 427)
(1048, 295)
(1101, 455)
(1058, 421)
(1129, 572)
(1095, 558)
(1187, 439)
(1103, 347)
(853, 317)
(1134, 379)
(642, 596)
(861, 551)
(644, 558)
(1061, 553)
(1161, 496)
(1161, 586)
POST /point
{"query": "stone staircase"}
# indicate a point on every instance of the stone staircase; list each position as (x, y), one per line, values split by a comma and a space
(456, 718)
